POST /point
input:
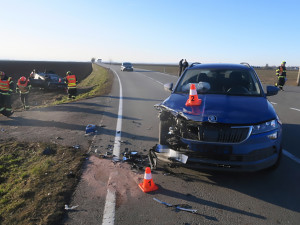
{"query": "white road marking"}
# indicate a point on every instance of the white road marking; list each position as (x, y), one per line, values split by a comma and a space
(274, 103)
(295, 109)
(109, 208)
(110, 201)
(117, 144)
(291, 156)
(153, 79)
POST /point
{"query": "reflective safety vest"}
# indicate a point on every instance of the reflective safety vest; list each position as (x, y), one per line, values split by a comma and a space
(4, 85)
(71, 81)
(24, 88)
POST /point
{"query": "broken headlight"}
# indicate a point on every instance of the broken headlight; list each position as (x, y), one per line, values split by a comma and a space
(265, 127)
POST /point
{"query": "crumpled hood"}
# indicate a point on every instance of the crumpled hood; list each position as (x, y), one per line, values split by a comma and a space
(244, 110)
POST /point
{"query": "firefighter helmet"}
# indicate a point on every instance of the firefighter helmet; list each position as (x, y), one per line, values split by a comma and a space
(22, 80)
(69, 73)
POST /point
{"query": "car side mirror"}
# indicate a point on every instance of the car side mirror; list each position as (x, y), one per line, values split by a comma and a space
(272, 90)
(168, 87)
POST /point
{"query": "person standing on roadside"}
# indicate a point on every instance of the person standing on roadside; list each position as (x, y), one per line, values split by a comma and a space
(281, 75)
(23, 87)
(180, 67)
(6, 88)
(185, 64)
(72, 83)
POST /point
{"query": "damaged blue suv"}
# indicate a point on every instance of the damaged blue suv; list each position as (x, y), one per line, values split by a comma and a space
(234, 128)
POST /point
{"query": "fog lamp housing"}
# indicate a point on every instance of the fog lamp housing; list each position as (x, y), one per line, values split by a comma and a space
(273, 136)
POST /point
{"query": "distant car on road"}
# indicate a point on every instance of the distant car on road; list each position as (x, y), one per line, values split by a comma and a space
(126, 66)
(47, 80)
(232, 127)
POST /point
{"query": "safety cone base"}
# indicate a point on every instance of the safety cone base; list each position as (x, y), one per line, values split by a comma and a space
(152, 187)
(193, 103)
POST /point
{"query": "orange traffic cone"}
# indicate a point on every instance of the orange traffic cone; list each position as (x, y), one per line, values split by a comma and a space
(193, 98)
(148, 184)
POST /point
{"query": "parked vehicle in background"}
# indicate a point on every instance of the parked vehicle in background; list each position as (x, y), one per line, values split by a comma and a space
(126, 66)
(47, 80)
(233, 127)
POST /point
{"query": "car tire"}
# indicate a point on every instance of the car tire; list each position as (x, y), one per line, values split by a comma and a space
(163, 132)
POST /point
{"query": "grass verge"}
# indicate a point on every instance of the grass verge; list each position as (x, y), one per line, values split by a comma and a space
(38, 179)
(96, 84)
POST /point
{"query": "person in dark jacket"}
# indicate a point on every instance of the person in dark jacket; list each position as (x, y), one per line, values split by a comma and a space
(185, 65)
(6, 88)
(180, 67)
(281, 75)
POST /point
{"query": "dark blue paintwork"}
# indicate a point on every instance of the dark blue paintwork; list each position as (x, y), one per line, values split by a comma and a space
(243, 110)
(260, 150)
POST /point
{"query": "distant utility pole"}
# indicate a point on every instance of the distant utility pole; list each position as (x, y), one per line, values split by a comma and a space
(298, 79)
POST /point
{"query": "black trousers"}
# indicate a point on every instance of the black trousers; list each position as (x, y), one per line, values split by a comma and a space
(24, 99)
(72, 92)
(5, 105)
(281, 81)
(5, 101)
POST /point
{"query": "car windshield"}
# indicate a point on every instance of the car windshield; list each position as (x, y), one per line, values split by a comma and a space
(127, 64)
(220, 81)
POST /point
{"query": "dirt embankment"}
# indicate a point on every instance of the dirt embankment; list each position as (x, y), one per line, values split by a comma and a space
(16, 69)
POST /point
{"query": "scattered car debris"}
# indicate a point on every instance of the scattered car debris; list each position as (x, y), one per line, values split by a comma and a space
(59, 138)
(71, 208)
(136, 160)
(152, 158)
(178, 207)
(48, 151)
(90, 128)
(76, 146)
(70, 175)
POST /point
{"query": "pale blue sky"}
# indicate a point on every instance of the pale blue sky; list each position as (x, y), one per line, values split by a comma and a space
(259, 32)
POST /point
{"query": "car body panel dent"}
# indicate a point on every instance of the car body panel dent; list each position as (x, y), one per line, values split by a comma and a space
(226, 108)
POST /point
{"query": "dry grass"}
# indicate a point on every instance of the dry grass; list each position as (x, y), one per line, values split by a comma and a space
(34, 187)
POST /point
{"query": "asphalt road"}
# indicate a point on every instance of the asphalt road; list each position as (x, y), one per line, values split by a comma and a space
(108, 192)
(219, 198)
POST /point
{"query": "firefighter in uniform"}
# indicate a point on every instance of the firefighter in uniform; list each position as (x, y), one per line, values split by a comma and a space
(6, 88)
(72, 82)
(23, 87)
(281, 75)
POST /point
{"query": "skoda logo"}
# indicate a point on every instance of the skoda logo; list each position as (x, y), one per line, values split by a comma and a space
(212, 119)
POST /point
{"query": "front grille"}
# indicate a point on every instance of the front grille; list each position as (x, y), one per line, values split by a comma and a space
(223, 153)
(218, 133)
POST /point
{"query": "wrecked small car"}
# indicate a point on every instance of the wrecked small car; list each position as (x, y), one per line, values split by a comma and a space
(48, 81)
(234, 127)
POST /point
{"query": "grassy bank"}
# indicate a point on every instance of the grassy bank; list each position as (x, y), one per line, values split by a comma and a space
(97, 83)
(38, 179)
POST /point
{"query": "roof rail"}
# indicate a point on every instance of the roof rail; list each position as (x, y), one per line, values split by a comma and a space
(246, 64)
(193, 64)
